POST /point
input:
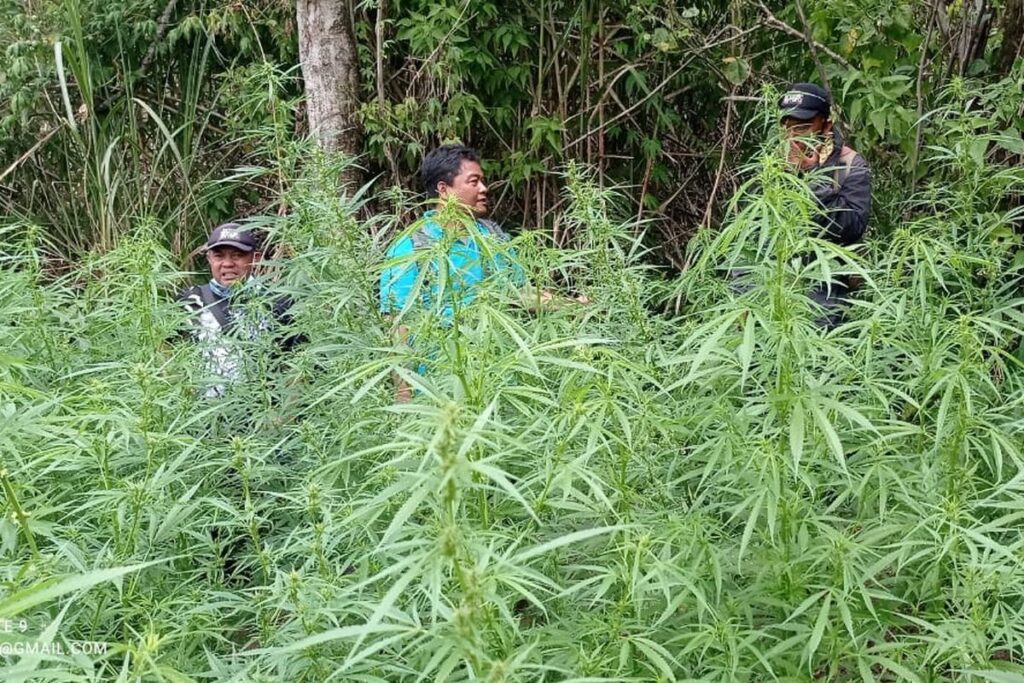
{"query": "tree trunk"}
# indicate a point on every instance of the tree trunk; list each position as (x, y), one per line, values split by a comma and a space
(330, 69)
(1013, 35)
(975, 26)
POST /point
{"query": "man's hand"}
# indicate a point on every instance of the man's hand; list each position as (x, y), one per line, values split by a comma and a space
(548, 297)
(534, 299)
(802, 156)
(403, 391)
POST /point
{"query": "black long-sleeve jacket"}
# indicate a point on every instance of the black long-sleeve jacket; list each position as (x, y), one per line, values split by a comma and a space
(843, 188)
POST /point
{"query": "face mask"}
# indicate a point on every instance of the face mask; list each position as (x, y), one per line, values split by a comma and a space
(826, 148)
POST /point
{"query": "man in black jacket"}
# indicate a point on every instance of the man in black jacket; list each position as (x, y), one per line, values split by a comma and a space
(226, 314)
(840, 178)
(233, 303)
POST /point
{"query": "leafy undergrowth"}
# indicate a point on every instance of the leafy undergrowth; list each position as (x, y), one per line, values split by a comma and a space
(676, 481)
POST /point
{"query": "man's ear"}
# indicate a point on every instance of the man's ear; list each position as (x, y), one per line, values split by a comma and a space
(442, 189)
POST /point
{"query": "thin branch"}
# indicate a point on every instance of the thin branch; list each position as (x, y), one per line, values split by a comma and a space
(437, 50)
(161, 30)
(920, 80)
(379, 53)
(604, 124)
(679, 190)
(32, 150)
(777, 23)
(625, 68)
(381, 98)
(814, 50)
(729, 107)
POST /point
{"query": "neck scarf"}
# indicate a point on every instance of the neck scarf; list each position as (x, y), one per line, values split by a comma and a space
(219, 290)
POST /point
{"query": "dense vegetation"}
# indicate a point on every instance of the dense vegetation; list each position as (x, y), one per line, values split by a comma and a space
(617, 491)
(675, 482)
(147, 107)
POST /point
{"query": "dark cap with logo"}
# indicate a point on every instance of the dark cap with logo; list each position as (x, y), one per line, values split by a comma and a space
(804, 101)
(232, 235)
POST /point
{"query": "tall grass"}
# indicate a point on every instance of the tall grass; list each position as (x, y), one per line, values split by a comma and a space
(599, 492)
(112, 157)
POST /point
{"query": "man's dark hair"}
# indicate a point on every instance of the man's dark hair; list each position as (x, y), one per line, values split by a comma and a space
(442, 165)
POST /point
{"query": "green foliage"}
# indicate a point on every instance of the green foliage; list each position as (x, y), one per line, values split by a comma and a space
(634, 89)
(129, 111)
(882, 39)
(584, 492)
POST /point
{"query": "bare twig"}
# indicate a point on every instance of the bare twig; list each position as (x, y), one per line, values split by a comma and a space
(684, 185)
(379, 52)
(381, 99)
(600, 105)
(161, 30)
(736, 34)
(620, 71)
(454, 27)
(814, 49)
(920, 80)
(780, 25)
(623, 107)
(729, 107)
(648, 167)
(604, 124)
(944, 25)
(32, 150)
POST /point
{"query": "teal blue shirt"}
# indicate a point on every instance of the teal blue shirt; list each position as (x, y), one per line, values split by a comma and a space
(453, 277)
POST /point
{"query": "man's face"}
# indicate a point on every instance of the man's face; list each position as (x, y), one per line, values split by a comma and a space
(795, 128)
(804, 137)
(467, 187)
(228, 264)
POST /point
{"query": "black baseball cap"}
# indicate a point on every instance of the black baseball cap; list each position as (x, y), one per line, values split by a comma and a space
(804, 101)
(232, 235)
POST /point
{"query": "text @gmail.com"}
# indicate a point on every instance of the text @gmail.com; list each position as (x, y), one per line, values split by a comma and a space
(55, 648)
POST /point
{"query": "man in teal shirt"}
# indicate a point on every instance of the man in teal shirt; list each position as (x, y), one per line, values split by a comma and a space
(471, 247)
(439, 265)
